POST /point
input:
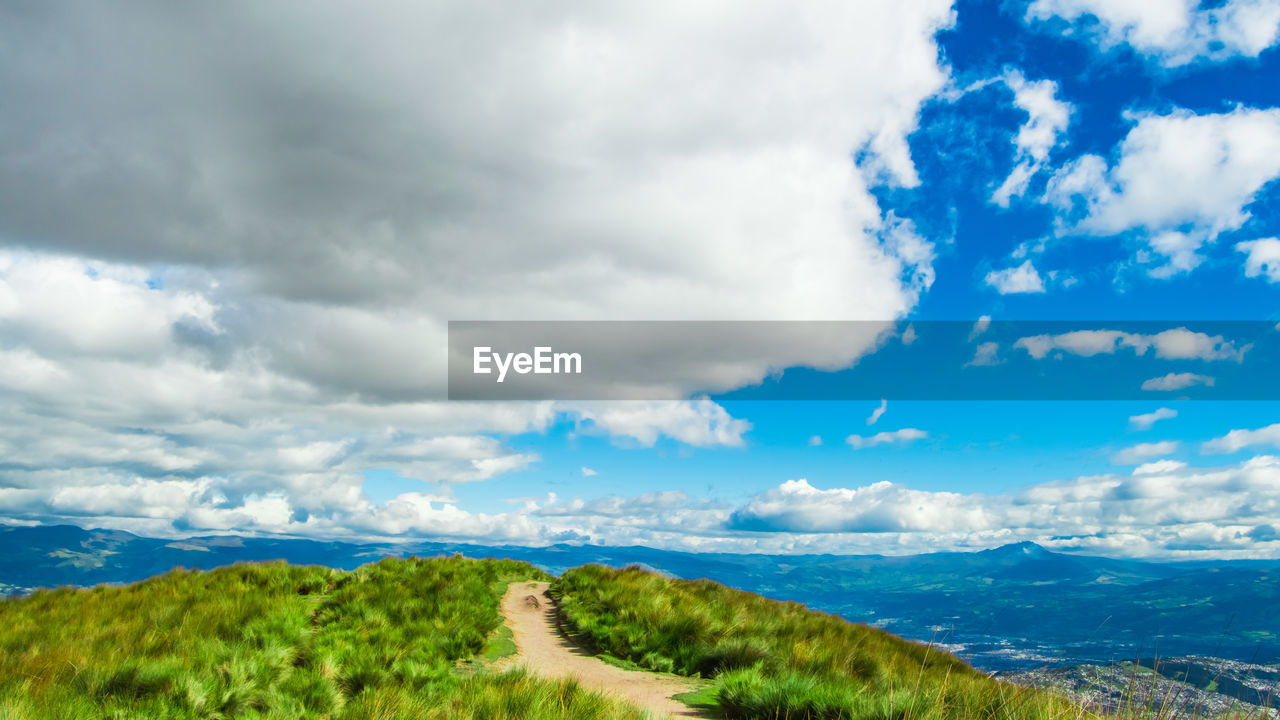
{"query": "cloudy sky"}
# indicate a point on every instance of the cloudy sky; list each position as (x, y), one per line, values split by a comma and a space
(232, 234)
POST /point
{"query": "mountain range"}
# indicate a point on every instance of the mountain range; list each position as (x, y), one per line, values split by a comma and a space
(1010, 608)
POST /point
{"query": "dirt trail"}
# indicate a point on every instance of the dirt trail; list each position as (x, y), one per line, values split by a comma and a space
(546, 652)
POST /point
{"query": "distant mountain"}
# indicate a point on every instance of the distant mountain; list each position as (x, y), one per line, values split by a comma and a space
(1009, 608)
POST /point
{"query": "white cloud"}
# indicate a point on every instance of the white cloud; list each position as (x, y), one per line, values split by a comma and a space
(909, 335)
(1180, 251)
(979, 326)
(176, 411)
(54, 305)
(1181, 179)
(700, 423)
(797, 506)
(588, 472)
(1047, 120)
(477, 206)
(815, 441)
(1047, 116)
(985, 355)
(618, 507)
(1173, 344)
(1146, 420)
(1175, 32)
(252, 295)
(420, 515)
(1177, 381)
(1021, 279)
(1015, 184)
(1240, 439)
(1162, 510)
(146, 498)
(1159, 467)
(1263, 258)
(313, 456)
(1142, 452)
(875, 414)
(889, 437)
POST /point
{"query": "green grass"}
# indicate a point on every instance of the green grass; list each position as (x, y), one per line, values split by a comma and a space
(413, 640)
(705, 699)
(277, 641)
(515, 696)
(500, 644)
(778, 660)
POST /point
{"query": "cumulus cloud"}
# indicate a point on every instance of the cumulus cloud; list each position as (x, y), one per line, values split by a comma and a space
(1174, 32)
(815, 441)
(473, 206)
(701, 423)
(241, 300)
(888, 437)
(797, 506)
(588, 472)
(1262, 258)
(1177, 381)
(1146, 420)
(1047, 120)
(1240, 439)
(1021, 279)
(170, 431)
(1164, 509)
(416, 514)
(1174, 344)
(53, 305)
(1181, 180)
(1137, 454)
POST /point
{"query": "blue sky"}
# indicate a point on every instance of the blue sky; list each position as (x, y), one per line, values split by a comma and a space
(962, 150)
(972, 447)
(230, 317)
(964, 147)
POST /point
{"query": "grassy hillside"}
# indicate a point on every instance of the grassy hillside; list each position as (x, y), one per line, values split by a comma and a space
(779, 660)
(403, 640)
(276, 641)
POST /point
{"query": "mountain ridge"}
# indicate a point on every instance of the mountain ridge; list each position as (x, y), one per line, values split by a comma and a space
(1007, 608)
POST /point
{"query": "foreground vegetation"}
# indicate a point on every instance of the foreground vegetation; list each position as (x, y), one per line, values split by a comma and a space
(277, 641)
(779, 660)
(411, 640)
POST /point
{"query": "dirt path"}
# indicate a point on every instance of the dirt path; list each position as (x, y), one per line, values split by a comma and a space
(541, 648)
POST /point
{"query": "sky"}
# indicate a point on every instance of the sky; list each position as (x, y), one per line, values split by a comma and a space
(232, 237)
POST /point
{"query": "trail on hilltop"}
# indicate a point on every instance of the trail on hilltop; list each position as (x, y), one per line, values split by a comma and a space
(542, 648)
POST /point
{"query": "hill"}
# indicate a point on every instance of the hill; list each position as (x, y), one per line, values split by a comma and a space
(1012, 608)
(398, 639)
(774, 659)
(276, 641)
(415, 639)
